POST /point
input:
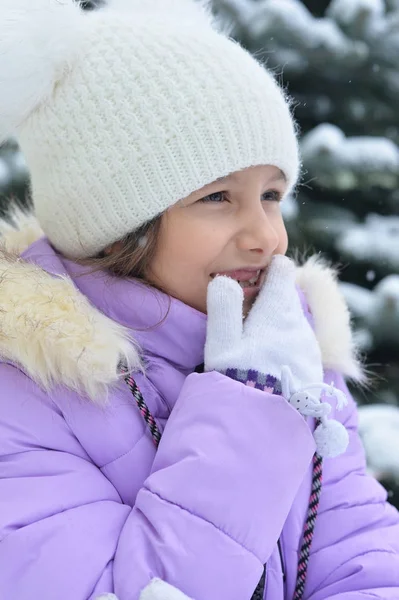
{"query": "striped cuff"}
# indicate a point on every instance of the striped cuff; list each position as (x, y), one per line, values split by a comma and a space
(252, 378)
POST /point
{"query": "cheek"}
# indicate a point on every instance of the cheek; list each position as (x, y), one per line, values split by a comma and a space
(183, 250)
(282, 236)
(197, 244)
(283, 244)
(180, 266)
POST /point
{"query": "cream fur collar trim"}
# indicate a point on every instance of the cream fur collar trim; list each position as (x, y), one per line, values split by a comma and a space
(49, 328)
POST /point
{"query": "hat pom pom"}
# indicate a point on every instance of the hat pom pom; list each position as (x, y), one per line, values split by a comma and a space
(38, 41)
(332, 438)
(196, 12)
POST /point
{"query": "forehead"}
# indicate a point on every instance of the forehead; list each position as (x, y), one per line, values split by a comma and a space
(268, 173)
(272, 173)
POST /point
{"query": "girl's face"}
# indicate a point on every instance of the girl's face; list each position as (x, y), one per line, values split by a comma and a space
(232, 224)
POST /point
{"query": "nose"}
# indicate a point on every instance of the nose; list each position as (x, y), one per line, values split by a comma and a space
(258, 231)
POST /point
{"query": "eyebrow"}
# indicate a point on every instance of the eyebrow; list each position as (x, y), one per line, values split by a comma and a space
(279, 177)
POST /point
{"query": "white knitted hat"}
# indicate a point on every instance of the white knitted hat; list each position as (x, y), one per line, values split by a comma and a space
(123, 111)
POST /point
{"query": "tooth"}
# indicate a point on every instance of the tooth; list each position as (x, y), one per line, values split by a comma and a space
(254, 278)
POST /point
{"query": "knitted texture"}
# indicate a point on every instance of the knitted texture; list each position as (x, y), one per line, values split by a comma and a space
(252, 378)
(275, 328)
(151, 105)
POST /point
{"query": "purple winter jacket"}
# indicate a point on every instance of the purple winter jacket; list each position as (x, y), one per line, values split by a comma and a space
(87, 504)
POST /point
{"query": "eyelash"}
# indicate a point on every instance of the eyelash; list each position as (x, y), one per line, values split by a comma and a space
(277, 196)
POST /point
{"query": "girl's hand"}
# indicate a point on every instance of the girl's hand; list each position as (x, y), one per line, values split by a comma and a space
(274, 350)
(275, 333)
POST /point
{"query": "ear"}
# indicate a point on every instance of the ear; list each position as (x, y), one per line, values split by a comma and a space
(113, 248)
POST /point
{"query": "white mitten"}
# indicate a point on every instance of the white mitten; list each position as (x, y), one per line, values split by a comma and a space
(275, 339)
(155, 590)
(275, 332)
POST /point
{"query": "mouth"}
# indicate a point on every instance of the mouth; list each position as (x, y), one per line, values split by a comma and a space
(249, 280)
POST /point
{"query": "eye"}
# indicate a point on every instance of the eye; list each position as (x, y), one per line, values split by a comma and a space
(272, 196)
(219, 197)
(216, 197)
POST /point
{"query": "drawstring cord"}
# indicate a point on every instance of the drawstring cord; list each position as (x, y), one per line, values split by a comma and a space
(143, 408)
(307, 539)
(313, 503)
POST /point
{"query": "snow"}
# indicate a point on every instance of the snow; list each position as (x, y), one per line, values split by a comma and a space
(347, 12)
(379, 431)
(361, 304)
(13, 169)
(284, 17)
(19, 167)
(5, 175)
(375, 241)
(359, 300)
(368, 20)
(364, 340)
(358, 109)
(375, 311)
(290, 208)
(383, 320)
(289, 25)
(392, 5)
(386, 42)
(343, 163)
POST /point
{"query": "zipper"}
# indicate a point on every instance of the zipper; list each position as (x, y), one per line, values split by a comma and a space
(280, 551)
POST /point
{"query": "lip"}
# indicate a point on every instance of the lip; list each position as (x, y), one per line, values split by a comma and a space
(243, 275)
(250, 292)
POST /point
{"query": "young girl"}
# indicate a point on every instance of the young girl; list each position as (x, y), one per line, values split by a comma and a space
(170, 381)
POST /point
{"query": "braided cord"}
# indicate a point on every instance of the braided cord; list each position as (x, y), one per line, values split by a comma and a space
(307, 540)
(143, 408)
(317, 478)
(260, 589)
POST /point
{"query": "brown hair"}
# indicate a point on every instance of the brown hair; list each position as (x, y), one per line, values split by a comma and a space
(134, 257)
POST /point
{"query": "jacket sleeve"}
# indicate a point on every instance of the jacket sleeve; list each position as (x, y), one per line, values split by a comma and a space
(355, 551)
(207, 518)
